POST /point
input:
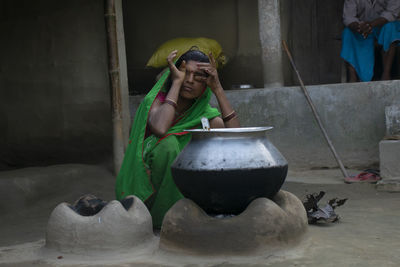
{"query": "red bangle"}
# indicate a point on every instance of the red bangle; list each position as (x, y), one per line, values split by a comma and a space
(171, 102)
(229, 116)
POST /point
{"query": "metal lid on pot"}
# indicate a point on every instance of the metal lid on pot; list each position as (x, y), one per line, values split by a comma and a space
(232, 130)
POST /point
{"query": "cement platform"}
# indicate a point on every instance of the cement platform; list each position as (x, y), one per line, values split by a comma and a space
(367, 234)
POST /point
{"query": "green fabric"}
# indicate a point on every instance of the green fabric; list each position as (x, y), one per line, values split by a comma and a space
(145, 171)
(160, 159)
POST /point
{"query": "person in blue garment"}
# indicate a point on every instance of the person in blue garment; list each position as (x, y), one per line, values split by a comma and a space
(369, 22)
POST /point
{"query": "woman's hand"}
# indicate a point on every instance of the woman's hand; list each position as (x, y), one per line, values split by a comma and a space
(177, 75)
(212, 79)
(213, 82)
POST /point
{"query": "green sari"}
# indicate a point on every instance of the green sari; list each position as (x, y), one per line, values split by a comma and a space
(145, 171)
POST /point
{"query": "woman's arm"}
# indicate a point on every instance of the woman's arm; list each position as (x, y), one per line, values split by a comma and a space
(161, 115)
(229, 116)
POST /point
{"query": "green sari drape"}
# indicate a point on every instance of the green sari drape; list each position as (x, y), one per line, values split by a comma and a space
(136, 177)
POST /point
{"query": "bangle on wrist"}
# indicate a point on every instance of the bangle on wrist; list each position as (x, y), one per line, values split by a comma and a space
(229, 116)
(171, 102)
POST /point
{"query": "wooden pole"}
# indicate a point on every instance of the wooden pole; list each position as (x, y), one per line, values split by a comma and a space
(115, 84)
(317, 118)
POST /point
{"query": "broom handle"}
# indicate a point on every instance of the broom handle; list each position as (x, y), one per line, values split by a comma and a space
(317, 118)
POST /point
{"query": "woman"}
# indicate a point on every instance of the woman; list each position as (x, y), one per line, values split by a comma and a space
(177, 102)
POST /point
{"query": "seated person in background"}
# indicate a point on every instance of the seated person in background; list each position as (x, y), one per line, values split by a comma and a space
(178, 101)
(368, 21)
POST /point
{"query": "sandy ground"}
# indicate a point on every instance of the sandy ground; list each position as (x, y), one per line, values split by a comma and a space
(367, 234)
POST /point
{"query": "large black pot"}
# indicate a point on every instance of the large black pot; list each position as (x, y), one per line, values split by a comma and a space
(223, 170)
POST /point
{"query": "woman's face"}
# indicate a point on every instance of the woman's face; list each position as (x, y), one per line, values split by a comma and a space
(192, 87)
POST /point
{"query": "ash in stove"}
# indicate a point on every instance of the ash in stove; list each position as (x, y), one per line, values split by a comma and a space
(89, 205)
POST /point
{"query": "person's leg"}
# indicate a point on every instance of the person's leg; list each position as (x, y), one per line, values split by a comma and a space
(166, 192)
(358, 53)
(387, 61)
(352, 73)
(389, 37)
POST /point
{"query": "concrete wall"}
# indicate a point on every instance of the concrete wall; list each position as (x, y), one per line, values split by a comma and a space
(233, 23)
(353, 115)
(54, 90)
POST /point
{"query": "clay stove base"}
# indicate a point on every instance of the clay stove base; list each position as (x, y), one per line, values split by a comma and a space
(113, 228)
(265, 225)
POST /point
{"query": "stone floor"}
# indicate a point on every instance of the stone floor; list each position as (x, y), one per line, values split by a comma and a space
(367, 234)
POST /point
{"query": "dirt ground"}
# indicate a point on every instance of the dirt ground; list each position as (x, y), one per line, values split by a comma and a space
(366, 235)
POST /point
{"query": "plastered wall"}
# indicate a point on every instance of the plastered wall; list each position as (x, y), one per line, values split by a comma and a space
(54, 92)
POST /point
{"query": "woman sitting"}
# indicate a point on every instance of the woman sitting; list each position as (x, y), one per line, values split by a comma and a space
(177, 102)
